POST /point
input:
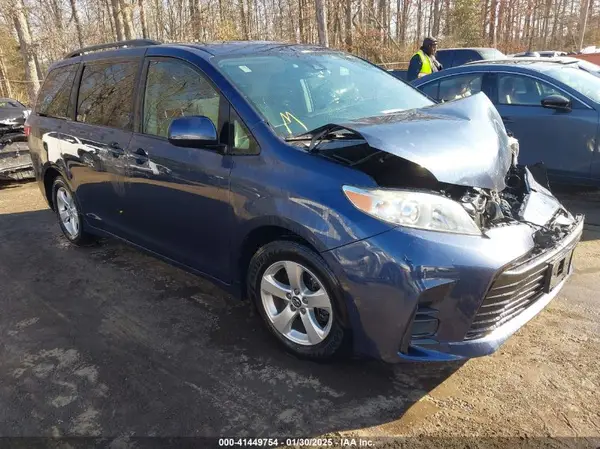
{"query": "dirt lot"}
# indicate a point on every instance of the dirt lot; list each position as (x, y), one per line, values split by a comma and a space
(107, 341)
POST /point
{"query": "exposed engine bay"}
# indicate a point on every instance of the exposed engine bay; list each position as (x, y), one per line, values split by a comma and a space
(458, 149)
(523, 199)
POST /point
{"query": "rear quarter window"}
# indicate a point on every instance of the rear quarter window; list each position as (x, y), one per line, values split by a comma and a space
(54, 97)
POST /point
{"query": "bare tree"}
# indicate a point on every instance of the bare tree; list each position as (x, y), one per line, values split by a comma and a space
(380, 30)
(348, 24)
(77, 21)
(321, 16)
(436, 17)
(127, 17)
(143, 22)
(492, 32)
(118, 18)
(19, 15)
(583, 18)
(5, 84)
(418, 36)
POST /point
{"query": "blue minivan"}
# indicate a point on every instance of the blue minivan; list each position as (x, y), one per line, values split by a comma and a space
(358, 216)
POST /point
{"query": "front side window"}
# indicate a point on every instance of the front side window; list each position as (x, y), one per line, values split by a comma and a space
(521, 90)
(55, 95)
(461, 86)
(431, 89)
(298, 92)
(106, 94)
(174, 89)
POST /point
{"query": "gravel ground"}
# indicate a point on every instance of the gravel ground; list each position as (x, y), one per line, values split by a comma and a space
(107, 341)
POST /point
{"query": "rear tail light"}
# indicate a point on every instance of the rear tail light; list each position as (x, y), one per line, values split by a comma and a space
(27, 130)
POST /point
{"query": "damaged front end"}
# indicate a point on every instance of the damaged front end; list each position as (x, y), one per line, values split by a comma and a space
(15, 160)
(502, 246)
(459, 151)
(523, 200)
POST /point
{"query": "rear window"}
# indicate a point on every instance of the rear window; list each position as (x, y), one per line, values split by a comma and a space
(463, 56)
(54, 97)
(445, 57)
(106, 94)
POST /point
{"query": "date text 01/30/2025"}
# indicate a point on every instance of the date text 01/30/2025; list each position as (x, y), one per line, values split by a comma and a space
(297, 442)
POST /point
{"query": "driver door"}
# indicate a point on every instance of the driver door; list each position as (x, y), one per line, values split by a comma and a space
(178, 198)
(563, 140)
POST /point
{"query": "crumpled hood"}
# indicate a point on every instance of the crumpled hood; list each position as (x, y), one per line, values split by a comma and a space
(463, 142)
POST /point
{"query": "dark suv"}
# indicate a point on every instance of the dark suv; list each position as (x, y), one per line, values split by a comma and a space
(352, 210)
(452, 57)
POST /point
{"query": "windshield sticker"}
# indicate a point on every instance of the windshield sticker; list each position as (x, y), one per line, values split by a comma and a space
(244, 68)
(287, 118)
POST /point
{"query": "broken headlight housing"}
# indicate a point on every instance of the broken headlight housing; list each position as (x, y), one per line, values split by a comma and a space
(413, 209)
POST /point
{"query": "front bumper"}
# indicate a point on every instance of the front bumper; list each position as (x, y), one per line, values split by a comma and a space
(404, 278)
(15, 161)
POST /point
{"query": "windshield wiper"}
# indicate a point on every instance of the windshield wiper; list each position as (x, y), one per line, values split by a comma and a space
(325, 132)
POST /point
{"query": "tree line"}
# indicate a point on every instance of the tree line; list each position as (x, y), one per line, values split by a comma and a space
(35, 33)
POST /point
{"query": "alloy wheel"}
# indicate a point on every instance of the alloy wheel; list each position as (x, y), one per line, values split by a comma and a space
(67, 212)
(296, 303)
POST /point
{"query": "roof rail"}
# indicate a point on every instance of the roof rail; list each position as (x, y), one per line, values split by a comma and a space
(130, 43)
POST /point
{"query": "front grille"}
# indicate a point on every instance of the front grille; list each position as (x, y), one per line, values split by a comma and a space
(511, 293)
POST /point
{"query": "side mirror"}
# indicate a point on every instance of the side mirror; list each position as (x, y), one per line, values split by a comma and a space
(194, 131)
(557, 102)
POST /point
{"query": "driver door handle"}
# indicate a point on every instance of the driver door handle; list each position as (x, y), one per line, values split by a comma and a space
(507, 119)
(116, 149)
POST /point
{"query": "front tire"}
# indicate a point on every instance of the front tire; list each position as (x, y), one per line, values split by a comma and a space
(69, 214)
(299, 299)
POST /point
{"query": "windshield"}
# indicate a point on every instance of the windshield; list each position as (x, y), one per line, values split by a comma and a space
(491, 53)
(299, 92)
(575, 78)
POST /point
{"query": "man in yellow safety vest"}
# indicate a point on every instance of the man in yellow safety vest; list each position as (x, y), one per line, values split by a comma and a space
(423, 62)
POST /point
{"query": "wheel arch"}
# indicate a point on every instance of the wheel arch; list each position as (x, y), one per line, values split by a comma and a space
(263, 230)
(50, 173)
(260, 235)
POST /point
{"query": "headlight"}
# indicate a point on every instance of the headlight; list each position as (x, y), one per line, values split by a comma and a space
(413, 209)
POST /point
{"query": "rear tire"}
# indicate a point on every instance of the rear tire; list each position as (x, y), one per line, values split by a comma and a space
(68, 212)
(299, 299)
